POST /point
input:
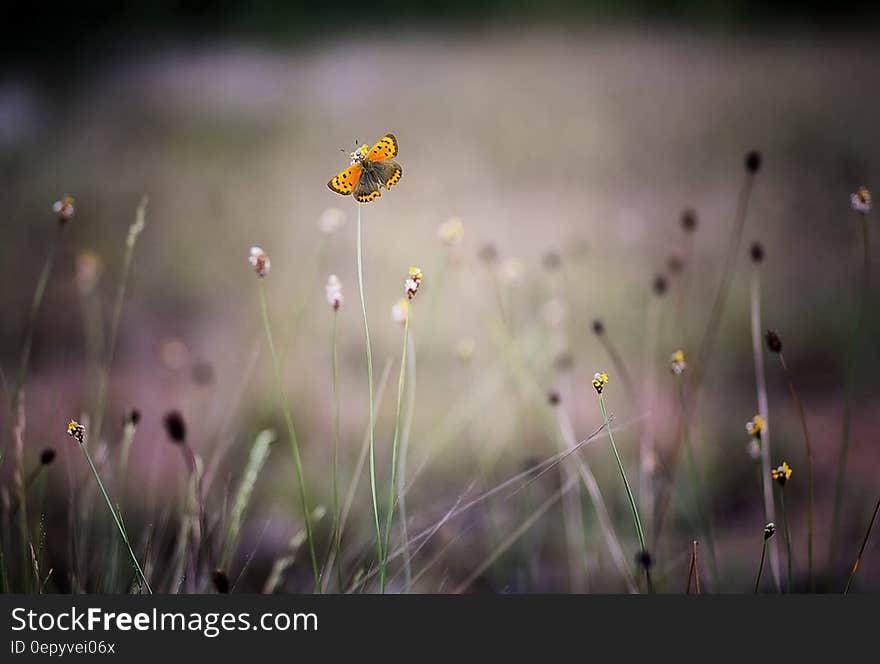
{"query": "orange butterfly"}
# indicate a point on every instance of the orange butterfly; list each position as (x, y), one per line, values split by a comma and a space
(370, 169)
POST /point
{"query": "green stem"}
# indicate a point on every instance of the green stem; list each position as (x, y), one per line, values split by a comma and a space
(134, 232)
(360, 269)
(855, 337)
(392, 493)
(787, 535)
(337, 531)
(116, 518)
(291, 432)
(401, 462)
(629, 493)
(855, 567)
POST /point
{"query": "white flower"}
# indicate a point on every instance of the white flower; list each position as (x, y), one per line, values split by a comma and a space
(259, 260)
(861, 200)
(400, 311)
(64, 209)
(334, 292)
(413, 281)
(331, 220)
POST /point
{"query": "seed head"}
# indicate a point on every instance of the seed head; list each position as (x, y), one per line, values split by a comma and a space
(259, 260)
(598, 327)
(47, 456)
(175, 427)
(76, 431)
(334, 292)
(676, 363)
(600, 380)
(781, 473)
(644, 559)
(660, 285)
(64, 209)
(756, 251)
(553, 397)
(860, 200)
(774, 343)
(753, 161)
(131, 418)
(769, 530)
(689, 220)
(451, 232)
(755, 426)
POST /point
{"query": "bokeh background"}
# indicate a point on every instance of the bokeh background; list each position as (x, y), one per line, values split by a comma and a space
(567, 136)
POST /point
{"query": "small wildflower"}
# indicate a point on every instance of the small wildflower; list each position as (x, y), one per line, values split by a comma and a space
(598, 327)
(464, 349)
(400, 311)
(676, 363)
(413, 281)
(600, 380)
(64, 209)
(781, 473)
(553, 398)
(259, 260)
(769, 530)
(861, 201)
(76, 431)
(88, 269)
(756, 251)
(334, 292)
(774, 343)
(331, 220)
(755, 426)
(753, 161)
(753, 449)
(451, 232)
(47, 456)
(175, 427)
(689, 221)
(660, 285)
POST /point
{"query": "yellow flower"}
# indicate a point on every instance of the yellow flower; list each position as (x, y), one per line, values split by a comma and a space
(755, 426)
(413, 281)
(76, 430)
(781, 473)
(677, 363)
(600, 380)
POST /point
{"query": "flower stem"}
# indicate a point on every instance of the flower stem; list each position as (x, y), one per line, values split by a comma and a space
(761, 565)
(809, 447)
(787, 535)
(629, 494)
(401, 462)
(337, 530)
(855, 337)
(116, 518)
(360, 269)
(855, 567)
(291, 433)
(395, 441)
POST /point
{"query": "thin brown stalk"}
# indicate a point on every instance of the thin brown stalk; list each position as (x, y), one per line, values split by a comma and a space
(855, 567)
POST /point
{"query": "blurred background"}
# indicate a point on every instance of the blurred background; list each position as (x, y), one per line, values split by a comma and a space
(568, 137)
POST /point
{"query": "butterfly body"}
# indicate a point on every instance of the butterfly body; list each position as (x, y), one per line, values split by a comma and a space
(369, 171)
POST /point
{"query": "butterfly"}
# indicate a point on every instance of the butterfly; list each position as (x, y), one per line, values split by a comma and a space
(370, 169)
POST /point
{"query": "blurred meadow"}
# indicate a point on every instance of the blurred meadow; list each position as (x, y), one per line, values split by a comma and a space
(569, 150)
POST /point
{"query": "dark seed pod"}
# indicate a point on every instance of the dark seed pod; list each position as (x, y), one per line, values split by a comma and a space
(660, 285)
(221, 581)
(598, 327)
(689, 220)
(47, 456)
(756, 251)
(175, 427)
(753, 161)
(774, 343)
(644, 560)
(553, 398)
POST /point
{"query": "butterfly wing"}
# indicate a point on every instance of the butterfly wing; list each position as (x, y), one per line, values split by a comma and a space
(385, 148)
(367, 190)
(390, 172)
(346, 180)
